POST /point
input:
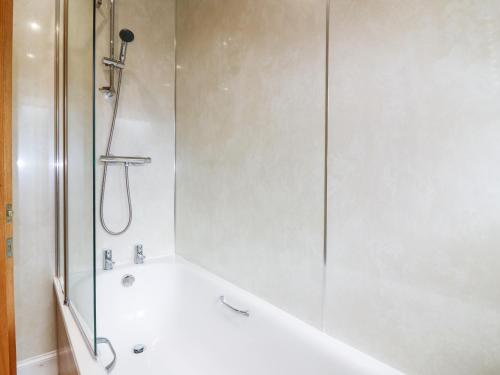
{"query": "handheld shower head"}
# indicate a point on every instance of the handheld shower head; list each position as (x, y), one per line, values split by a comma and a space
(126, 36)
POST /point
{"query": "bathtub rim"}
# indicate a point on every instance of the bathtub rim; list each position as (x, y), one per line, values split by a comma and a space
(261, 305)
(88, 363)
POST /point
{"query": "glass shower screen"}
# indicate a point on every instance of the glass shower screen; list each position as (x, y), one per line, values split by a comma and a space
(79, 171)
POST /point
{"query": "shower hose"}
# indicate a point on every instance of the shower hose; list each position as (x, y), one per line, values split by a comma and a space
(105, 172)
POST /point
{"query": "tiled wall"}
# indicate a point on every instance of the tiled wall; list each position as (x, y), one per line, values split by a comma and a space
(414, 183)
(33, 179)
(250, 145)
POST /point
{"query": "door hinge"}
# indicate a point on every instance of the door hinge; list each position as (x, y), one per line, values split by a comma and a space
(9, 212)
(10, 245)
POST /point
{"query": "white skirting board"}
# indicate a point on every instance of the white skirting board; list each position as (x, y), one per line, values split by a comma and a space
(45, 364)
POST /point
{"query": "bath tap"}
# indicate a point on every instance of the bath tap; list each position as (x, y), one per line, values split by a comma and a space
(108, 260)
(139, 255)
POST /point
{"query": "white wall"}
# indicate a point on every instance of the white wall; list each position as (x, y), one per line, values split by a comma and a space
(414, 183)
(33, 178)
(145, 127)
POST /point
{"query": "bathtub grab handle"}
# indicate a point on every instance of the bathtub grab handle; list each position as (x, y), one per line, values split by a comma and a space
(222, 300)
(104, 340)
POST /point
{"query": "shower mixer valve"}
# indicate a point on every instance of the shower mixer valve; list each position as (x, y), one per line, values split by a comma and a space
(108, 61)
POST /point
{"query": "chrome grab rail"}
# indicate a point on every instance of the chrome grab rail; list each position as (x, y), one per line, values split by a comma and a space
(130, 160)
(222, 300)
(104, 340)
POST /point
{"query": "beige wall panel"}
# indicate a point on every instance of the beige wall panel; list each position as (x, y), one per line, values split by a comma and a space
(414, 184)
(250, 145)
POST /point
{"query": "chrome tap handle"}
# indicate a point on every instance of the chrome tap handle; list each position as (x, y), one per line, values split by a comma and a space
(108, 260)
(139, 255)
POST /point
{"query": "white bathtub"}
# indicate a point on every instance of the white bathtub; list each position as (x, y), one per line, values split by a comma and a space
(174, 309)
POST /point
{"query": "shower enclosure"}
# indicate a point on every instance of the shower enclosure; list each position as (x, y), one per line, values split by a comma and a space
(333, 158)
(115, 118)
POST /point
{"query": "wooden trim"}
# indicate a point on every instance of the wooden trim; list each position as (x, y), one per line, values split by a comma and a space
(7, 326)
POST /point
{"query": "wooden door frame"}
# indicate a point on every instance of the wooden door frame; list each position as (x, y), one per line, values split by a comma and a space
(7, 325)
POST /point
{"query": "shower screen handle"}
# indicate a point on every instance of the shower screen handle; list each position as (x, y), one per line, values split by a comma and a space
(222, 300)
(104, 340)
